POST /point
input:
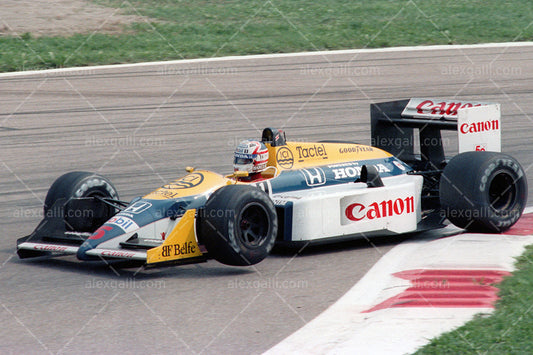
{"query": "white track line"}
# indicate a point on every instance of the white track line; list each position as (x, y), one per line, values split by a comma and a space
(268, 56)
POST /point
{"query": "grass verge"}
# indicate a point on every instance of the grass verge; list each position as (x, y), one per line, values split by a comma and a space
(507, 331)
(194, 28)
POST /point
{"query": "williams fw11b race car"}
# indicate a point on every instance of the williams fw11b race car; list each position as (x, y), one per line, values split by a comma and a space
(301, 193)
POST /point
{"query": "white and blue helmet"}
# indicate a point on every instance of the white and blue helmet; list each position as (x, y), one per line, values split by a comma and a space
(250, 156)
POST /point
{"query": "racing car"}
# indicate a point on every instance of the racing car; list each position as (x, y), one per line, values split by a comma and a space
(306, 192)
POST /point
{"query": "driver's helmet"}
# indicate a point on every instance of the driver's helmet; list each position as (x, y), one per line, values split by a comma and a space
(250, 156)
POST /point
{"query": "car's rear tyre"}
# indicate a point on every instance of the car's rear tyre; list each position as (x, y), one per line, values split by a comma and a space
(238, 225)
(84, 216)
(483, 191)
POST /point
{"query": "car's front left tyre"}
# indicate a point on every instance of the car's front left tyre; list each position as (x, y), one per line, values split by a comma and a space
(64, 196)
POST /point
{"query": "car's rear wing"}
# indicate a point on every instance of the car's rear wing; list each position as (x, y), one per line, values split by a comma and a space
(394, 124)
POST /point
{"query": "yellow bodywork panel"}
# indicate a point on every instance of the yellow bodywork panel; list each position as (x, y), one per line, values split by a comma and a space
(180, 243)
(194, 183)
(300, 155)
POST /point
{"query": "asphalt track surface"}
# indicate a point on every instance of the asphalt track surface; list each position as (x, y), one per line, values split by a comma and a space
(141, 126)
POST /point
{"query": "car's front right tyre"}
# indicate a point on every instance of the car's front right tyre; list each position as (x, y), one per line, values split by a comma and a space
(238, 225)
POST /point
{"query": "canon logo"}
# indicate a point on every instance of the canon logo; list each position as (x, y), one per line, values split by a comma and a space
(484, 126)
(117, 254)
(50, 247)
(357, 211)
(428, 107)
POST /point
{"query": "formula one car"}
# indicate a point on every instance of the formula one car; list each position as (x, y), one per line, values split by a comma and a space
(309, 192)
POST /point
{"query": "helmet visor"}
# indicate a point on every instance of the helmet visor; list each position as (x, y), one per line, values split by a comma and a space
(243, 161)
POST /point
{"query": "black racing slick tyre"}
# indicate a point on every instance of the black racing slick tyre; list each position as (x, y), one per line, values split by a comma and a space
(80, 216)
(238, 225)
(483, 191)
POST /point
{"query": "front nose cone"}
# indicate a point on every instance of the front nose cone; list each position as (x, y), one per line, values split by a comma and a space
(101, 235)
(82, 251)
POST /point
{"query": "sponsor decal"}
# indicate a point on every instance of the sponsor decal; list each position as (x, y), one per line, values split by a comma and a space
(289, 197)
(355, 171)
(285, 158)
(315, 151)
(117, 254)
(399, 165)
(125, 223)
(196, 183)
(437, 108)
(186, 182)
(185, 248)
(165, 193)
(314, 176)
(151, 241)
(100, 232)
(243, 155)
(356, 149)
(50, 247)
(138, 207)
(340, 165)
(93, 183)
(78, 234)
(484, 126)
(375, 210)
(280, 202)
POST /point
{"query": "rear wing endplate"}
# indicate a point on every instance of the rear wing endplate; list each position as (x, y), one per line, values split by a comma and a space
(395, 123)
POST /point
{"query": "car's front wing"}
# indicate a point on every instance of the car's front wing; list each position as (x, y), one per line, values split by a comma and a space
(180, 247)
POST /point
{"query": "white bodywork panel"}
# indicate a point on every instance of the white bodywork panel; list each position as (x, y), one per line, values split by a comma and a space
(152, 232)
(347, 209)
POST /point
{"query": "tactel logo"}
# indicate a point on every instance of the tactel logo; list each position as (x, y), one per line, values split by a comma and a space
(314, 151)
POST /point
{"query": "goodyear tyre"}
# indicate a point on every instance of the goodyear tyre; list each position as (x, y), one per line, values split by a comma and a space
(483, 191)
(238, 225)
(84, 215)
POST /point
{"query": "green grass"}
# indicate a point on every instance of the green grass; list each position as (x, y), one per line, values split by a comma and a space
(194, 28)
(508, 330)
